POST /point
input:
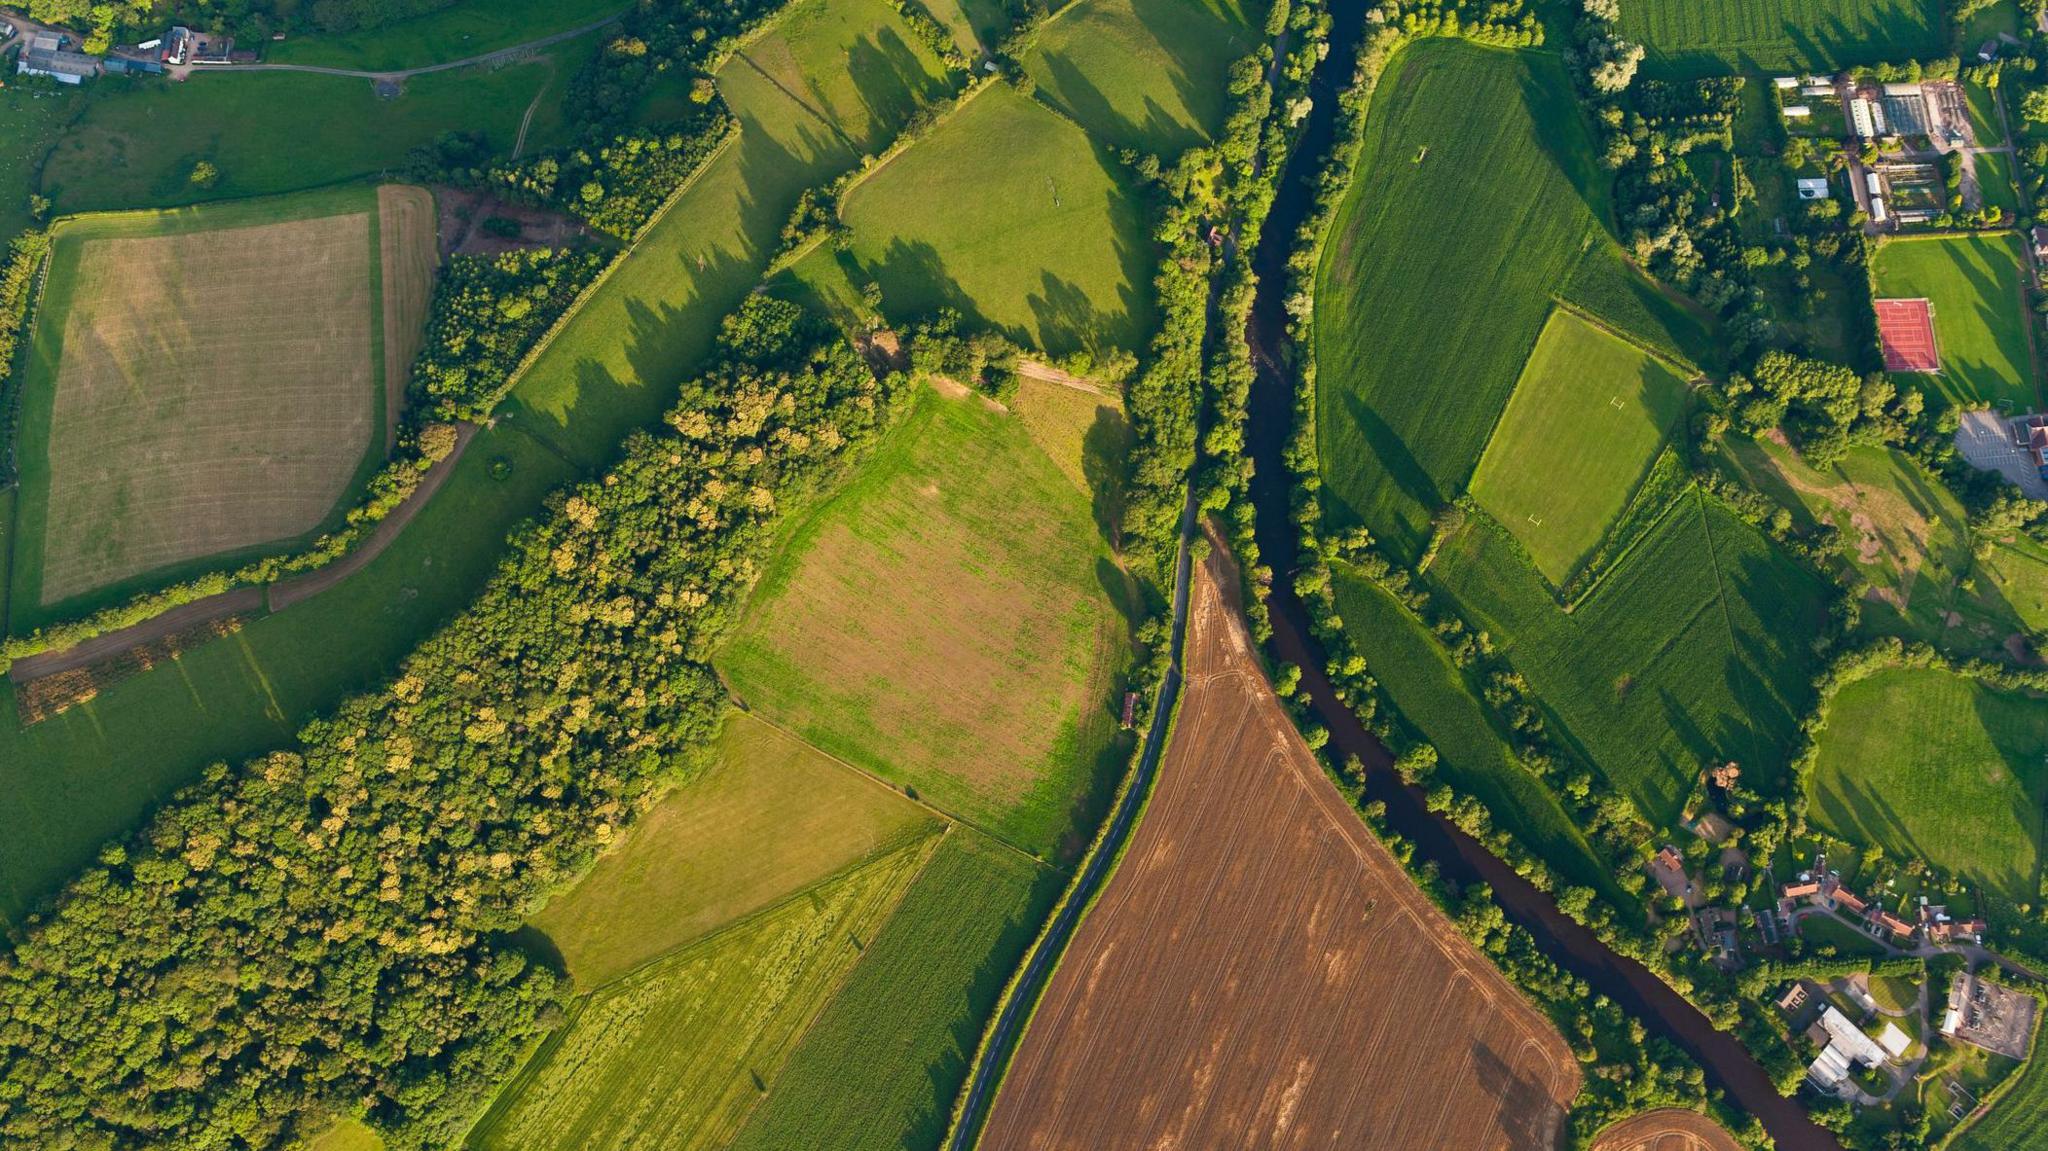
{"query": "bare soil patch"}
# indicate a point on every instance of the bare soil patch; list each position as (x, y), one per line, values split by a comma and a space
(1668, 1130)
(408, 257)
(1261, 972)
(462, 212)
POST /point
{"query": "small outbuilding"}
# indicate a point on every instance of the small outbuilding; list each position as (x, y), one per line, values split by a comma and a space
(1813, 188)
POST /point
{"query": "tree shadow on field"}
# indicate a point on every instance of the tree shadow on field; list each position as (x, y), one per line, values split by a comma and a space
(1392, 454)
(890, 81)
(1529, 1116)
(1105, 447)
(1072, 91)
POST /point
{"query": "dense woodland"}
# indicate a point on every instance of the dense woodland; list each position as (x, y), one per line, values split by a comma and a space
(321, 930)
(489, 312)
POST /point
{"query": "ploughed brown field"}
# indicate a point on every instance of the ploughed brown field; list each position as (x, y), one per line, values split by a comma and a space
(1669, 1130)
(1261, 972)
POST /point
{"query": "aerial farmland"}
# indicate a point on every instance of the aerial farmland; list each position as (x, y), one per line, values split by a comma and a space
(998, 575)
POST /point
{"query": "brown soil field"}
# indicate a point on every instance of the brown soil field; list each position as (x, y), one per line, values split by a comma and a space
(1261, 972)
(1668, 1130)
(408, 256)
(214, 394)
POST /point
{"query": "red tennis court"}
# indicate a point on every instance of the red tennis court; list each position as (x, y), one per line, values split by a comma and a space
(1906, 330)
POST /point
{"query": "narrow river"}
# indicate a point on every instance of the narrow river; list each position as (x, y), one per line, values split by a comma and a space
(1461, 858)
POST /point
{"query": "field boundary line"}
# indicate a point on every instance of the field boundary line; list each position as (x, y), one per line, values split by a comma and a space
(830, 124)
(1620, 559)
(1721, 596)
(1694, 373)
(944, 816)
(905, 141)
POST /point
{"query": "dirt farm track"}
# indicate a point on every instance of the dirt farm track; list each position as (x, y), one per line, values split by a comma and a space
(1669, 1130)
(1261, 973)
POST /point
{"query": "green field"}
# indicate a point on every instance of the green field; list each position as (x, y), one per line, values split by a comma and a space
(978, 26)
(2019, 580)
(1701, 37)
(676, 1056)
(32, 120)
(1422, 324)
(1982, 103)
(1144, 74)
(1933, 766)
(347, 1135)
(768, 818)
(2019, 1119)
(1976, 285)
(70, 783)
(949, 622)
(1015, 218)
(137, 139)
(1827, 931)
(465, 29)
(1434, 697)
(1695, 649)
(1587, 419)
(879, 1069)
(1994, 176)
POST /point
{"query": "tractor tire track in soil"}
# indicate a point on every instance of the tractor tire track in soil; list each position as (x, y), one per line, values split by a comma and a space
(1667, 1130)
(1256, 968)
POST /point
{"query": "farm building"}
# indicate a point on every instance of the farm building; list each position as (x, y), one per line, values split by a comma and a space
(1813, 188)
(1785, 82)
(1797, 112)
(45, 57)
(1863, 118)
(2030, 435)
(1817, 90)
(1906, 108)
(1801, 890)
(1847, 1047)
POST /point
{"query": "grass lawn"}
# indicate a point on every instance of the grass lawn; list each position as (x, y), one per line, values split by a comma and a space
(72, 782)
(32, 120)
(217, 456)
(677, 1055)
(1688, 38)
(949, 622)
(1587, 419)
(1827, 931)
(1696, 648)
(138, 138)
(1934, 766)
(1901, 529)
(469, 28)
(1422, 325)
(1145, 74)
(879, 1069)
(617, 367)
(766, 819)
(1060, 258)
(1435, 699)
(1895, 993)
(1982, 103)
(2019, 1118)
(1975, 284)
(347, 1135)
(2018, 572)
(1994, 177)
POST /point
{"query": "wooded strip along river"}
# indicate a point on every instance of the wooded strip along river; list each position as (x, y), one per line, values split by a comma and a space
(1459, 857)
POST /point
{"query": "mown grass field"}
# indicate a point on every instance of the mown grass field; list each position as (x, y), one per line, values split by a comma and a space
(1433, 696)
(618, 365)
(677, 1055)
(2020, 1118)
(454, 33)
(1586, 421)
(144, 449)
(1015, 218)
(1976, 286)
(829, 54)
(1696, 648)
(1691, 38)
(1933, 766)
(1145, 74)
(949, 622)
(1422, 327)
(137, 139)
(767, 818)
(72, 782)
(879, 1069)
(32, 120)
(347, 1135)
(2019, 579)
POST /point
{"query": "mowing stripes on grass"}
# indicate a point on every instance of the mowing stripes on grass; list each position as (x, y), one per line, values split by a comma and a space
(1475, 199)
(1015, 218)
(1587, 419)
(2020, 1117)
(1700, 37)
(879, 1069)
(675, 1056)
(767, 818)
(1975, 285)
(1934, 766)
(408, 257)
(1144, 74)
(946, 622)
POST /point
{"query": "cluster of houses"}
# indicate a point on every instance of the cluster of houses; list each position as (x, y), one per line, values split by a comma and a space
(1932, 923)
(51, 54)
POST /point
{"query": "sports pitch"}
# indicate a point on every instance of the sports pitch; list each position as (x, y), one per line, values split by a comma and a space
(1975, 287)
(205, 385)
(1586, 421)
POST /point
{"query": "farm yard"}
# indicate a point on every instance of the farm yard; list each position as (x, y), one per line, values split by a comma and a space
(1696, 648)
(948, 621)
(258, 329)
(1144, 74)
(1461, 163)
(1062, 261)
(1251, 877)
(1686, 38)
(1976, 286)
(1930, 765)
(1584, 425)
(766, 819)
